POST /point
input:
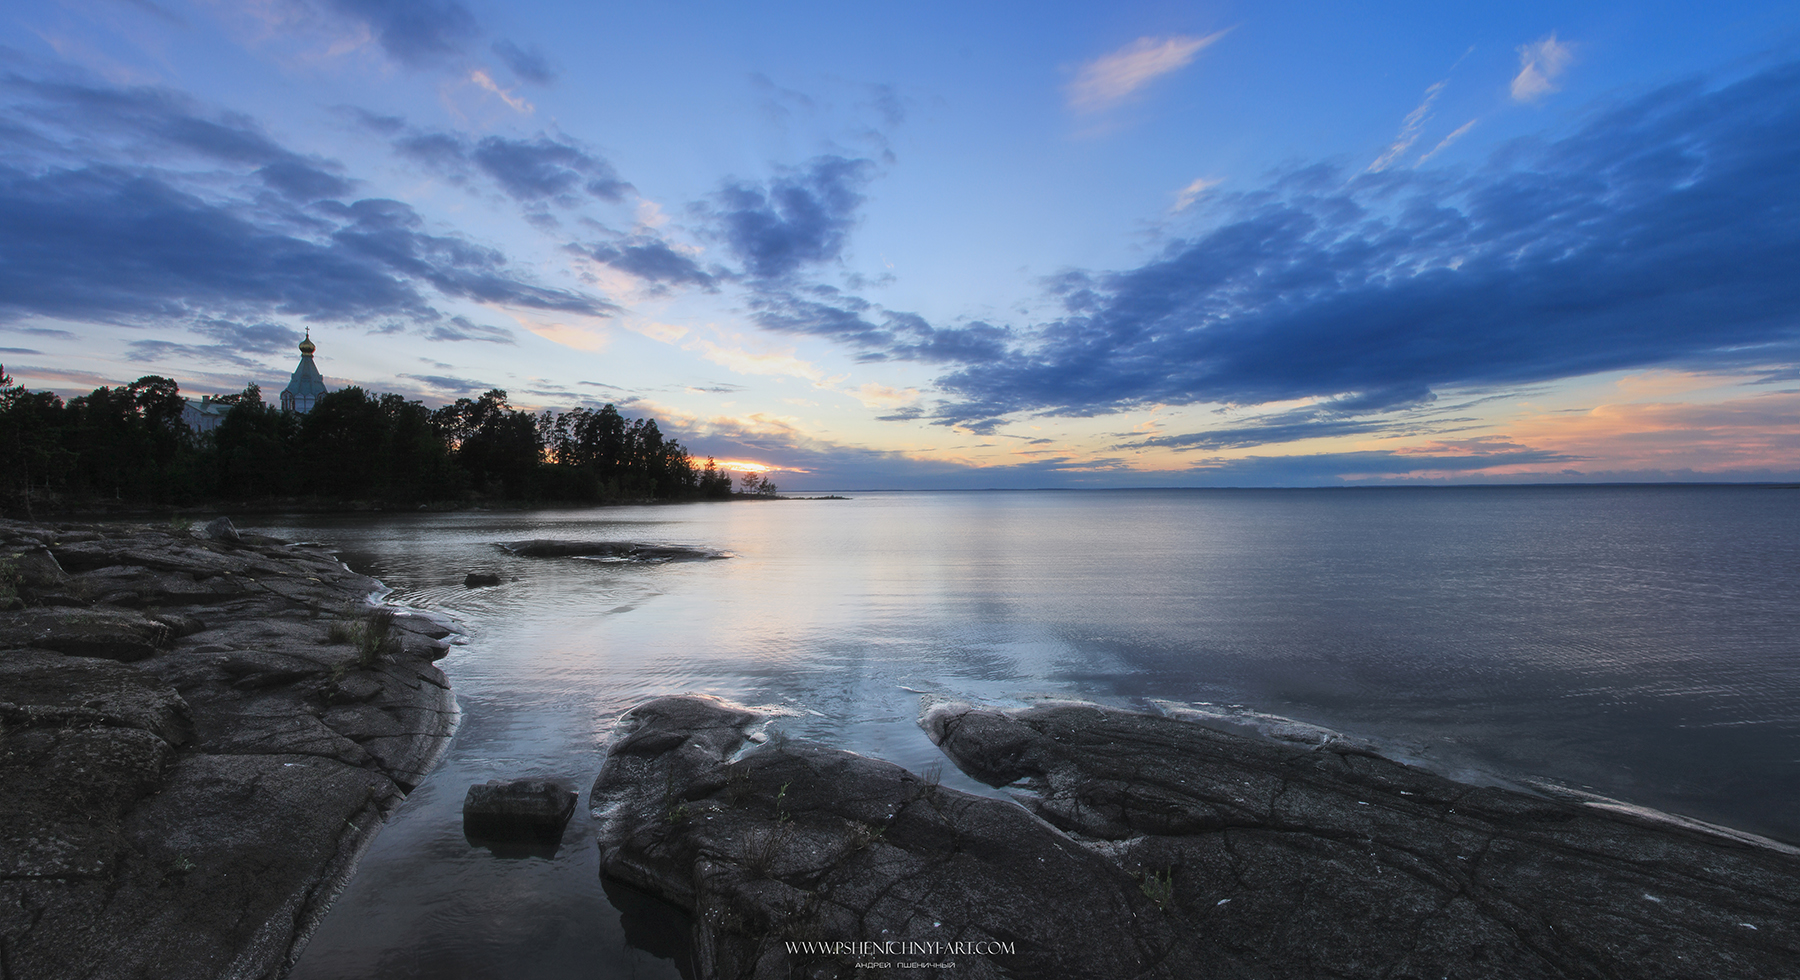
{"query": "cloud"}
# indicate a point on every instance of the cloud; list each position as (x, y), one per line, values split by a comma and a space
(254, 338)
(462, 328)
(782, 363)
(64, 119)
(450, 384)
(1192, 192)
(373, 121)
(416, 33)
(526, 61)
(1444, 144)
(486, 81)
(536, 171)
(1541, 63)
(1111, 78)
(1471, 462)
(1654, 234)
(168, 351)
(1759, 432)
(1409, 131)
(649, 258)
(881, 396)
(1331, 418)
(232, 342)
(797, 219)
(300, 182)
(881, 334)
(887, 103)
(89, 232)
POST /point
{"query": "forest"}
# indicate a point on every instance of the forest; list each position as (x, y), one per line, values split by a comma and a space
(128, 447)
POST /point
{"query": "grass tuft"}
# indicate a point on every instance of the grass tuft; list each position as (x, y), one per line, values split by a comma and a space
(372, 635)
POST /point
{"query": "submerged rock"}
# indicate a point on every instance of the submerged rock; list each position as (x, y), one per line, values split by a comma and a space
(1156, 847)
(615, 550)
(532, 810)
(475, 580)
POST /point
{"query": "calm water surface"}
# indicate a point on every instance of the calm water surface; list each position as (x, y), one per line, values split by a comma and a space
(1640, 642)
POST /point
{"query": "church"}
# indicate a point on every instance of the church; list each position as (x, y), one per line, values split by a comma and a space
(306, 384)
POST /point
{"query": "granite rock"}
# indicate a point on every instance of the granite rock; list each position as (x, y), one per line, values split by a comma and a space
(523, 809)
(181, 791)
(1149, 846)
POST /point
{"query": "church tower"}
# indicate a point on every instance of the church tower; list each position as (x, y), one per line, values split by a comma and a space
(307, 384)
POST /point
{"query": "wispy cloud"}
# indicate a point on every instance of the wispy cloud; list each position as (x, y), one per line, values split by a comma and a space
(1191, 193)
(517, 104)
(780, 363)
(1761, 431)
(1410, 128)
(1112, 78)
(1444, 144)
(880, 396)
(1541, 63)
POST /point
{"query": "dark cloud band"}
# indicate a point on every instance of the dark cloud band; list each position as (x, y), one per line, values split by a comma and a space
(1659, 232)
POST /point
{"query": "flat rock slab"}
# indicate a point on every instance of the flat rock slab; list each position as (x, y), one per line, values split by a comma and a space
(533, 810)
(1156, 847)
(1356, 865)
(195, 748)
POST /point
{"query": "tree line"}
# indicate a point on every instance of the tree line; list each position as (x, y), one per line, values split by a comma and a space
(130, 446)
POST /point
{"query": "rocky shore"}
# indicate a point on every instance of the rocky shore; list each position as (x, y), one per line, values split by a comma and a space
(202, 731)
(1151, 846)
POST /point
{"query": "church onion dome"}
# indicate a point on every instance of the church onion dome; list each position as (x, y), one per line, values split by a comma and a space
(306, 384)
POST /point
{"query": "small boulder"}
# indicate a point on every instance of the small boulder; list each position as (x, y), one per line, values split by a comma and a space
(37, 569)
(218, 529)
(477, 579)
(524, 810)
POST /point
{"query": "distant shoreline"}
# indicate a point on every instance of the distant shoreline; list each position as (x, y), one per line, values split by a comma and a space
(315, 506)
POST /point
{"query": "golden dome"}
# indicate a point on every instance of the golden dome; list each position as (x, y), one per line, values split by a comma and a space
(306, 346)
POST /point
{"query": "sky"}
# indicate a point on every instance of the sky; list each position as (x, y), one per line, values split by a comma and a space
(943, 245)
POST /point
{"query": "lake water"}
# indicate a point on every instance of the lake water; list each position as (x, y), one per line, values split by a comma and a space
(1641, 642)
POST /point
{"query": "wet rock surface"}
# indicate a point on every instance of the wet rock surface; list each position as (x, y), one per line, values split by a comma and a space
(202, 730)
(611, 550)
(532, 810)
(1150, 846)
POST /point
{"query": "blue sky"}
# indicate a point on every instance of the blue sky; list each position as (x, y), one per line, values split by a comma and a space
(944, 245)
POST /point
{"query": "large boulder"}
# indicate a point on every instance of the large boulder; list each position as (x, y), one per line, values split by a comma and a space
(798, 843)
